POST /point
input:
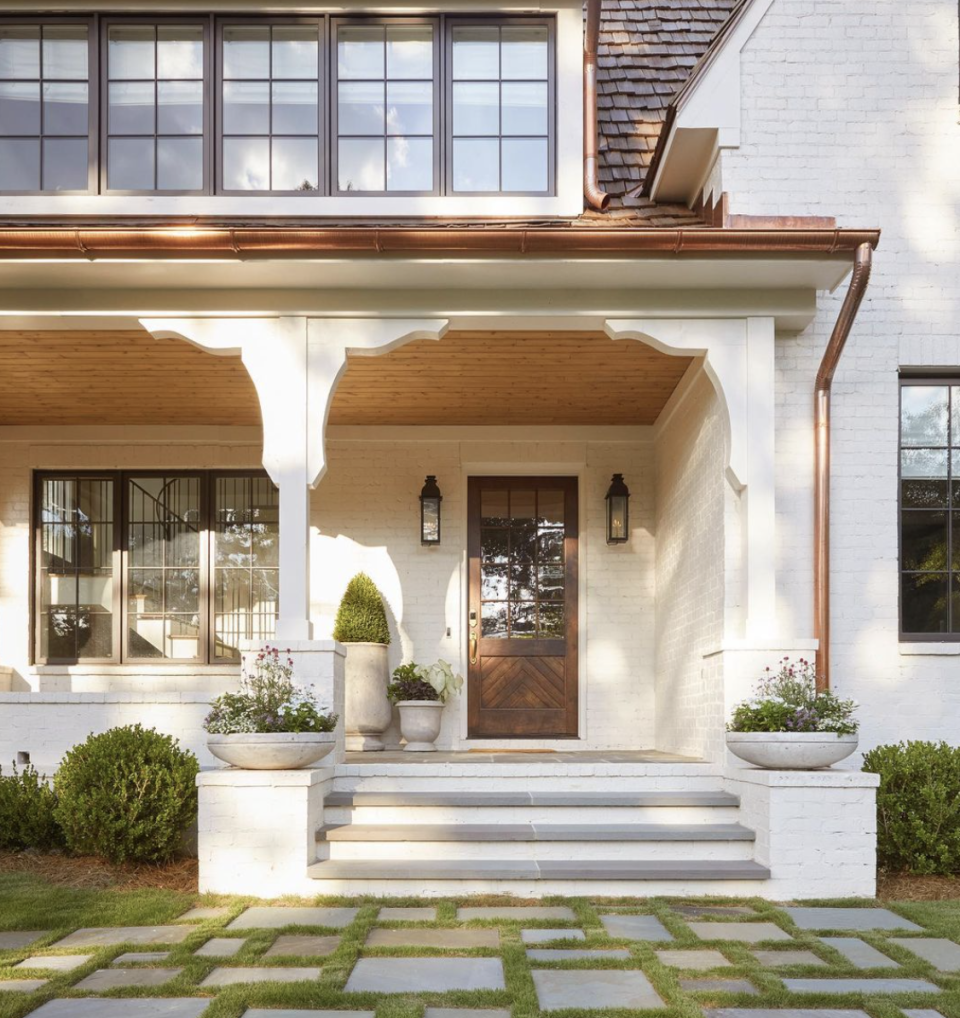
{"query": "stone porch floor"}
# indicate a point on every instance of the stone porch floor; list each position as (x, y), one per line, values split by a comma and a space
(520, 756)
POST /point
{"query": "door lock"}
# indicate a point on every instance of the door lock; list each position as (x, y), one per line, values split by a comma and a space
(473, 619)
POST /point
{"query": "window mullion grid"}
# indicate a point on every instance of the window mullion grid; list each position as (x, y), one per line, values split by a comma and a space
(949, 563)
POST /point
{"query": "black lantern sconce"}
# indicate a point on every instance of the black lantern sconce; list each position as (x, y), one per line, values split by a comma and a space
(430, 499)
(618, 511)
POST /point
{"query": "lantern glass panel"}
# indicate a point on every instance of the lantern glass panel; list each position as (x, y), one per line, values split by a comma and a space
(617, 519)
(430, 529)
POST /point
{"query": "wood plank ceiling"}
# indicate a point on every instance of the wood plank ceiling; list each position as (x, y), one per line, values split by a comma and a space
(467, 378)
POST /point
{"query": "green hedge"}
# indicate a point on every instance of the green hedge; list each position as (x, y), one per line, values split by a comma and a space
(361, 617)
(918, 806)
(27, 811)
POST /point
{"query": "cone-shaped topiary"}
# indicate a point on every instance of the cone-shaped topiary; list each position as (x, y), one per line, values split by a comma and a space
(361, 617)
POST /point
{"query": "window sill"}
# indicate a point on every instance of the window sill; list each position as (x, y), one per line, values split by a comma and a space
(929, 649)
(147, 667)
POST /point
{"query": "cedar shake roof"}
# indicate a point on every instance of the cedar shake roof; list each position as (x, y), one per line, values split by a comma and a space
(647, 50)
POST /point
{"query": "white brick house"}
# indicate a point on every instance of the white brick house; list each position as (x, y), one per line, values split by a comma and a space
(231, 280)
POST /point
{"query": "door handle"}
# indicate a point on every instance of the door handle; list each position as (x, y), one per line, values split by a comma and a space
(474, 645)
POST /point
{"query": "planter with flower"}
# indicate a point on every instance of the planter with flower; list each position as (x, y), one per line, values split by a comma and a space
(789, 725)
(420, 694)
(272, 723)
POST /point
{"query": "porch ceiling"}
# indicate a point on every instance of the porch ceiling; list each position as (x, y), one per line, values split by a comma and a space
(467, 378)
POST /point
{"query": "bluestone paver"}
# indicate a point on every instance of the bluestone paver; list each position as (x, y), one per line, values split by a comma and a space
(103, 936)
(718, 986)
(55, 963)
(942, 954)
(860, 919)
(693, 959)
(855, 984)
(425, 975)
(774, 959)
(578, 954)
(636, 927)
(712, 911)
(205, 912)
(789, 1012)
(419, 936)
(139, 957)
(219, 947)
(519, 913)
(258, 974)
(302, 946)
(261, 1012)
(596, 990)
(408, 915)
(466, 1012)
(548, 936)
(13, 940)
(747, 933)
(127, 1007)
(114, 979)
(859, 953)
(21, 985)
(265, 917)
(921, 1012)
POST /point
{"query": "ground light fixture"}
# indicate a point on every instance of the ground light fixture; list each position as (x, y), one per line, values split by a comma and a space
(618, 511)
(430, 499)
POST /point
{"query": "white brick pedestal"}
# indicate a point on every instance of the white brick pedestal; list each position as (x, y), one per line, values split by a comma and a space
(257, 829)
(816, 830)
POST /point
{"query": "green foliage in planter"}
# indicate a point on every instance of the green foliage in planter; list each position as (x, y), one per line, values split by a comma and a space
(361, 617)
(129, 793)
(27, 805)
(409, 684)
(918, 806)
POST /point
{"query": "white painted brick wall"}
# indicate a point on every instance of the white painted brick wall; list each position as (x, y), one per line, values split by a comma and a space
(852, 110)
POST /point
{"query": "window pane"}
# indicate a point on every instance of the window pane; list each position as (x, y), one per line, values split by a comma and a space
(19, 52)
(524, 52)
(130, 51)
(524, 164)
(65, 164)
(524, 108)
(246, 164)
(130, 164)
(551, 622)
(179, 51)
(360, 108)
(409, 164)
(65, 52)
(360, 51)
(65, 109)
(19, 107)
(361, 164)
(131, 107)
(180, 107)
(295, 51)
(19, 164)
(295, 109)
(923, 415)
(410, 51)
(476, 108)
(923, 602)
(246, 51)
(476, 164)
(924, 478)
(295, 164)
(179, 164)
(246, 107)
(476, 52)
(409, 107)
(923, 541)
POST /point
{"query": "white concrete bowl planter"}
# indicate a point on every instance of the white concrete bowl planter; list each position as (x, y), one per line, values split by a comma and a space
(271, 751)
(367, 710)
(420, 724)
(791, 751)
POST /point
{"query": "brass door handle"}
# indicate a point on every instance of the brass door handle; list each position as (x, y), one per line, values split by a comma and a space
(474, 645)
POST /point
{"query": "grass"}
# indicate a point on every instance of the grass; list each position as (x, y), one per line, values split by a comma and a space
(29, 902)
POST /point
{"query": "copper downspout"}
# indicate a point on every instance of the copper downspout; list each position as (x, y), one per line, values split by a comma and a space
(863, 259)
(595, 195)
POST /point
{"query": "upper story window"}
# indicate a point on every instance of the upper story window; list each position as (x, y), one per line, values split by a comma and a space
(291, 106)
(930, 509)
(46, 116)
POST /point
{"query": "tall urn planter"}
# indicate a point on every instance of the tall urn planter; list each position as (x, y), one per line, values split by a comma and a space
(362, 627)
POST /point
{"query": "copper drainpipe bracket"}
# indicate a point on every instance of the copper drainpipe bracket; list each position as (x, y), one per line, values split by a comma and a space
(595, 195)
(862, 264)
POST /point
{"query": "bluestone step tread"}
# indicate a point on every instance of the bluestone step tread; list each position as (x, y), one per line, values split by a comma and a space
(437, 798)
(534, 832)
(529, 869)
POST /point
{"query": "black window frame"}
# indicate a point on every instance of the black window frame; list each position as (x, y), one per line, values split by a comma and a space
(93, 98)
(120, 558)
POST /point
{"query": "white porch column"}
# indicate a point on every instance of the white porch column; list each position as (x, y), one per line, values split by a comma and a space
(739, 359)
(295, 364)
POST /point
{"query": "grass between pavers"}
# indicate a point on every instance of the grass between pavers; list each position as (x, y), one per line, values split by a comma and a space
(28, 903)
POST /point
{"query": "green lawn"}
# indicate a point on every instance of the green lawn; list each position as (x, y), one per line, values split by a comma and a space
(29, 903)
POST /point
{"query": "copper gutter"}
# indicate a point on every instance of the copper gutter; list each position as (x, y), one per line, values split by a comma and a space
(863, 260)
(596, 197)
(239, 243)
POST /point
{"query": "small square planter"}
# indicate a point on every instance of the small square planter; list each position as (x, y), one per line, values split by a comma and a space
(791, 751)
(271, 751)
(420, 724)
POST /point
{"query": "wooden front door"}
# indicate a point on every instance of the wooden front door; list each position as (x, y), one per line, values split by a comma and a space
(522, 612)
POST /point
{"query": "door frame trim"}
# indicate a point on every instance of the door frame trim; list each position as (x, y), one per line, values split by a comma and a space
(574, 469)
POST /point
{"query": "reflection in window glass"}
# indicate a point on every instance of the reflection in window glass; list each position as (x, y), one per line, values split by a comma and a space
(44, 101)
(271, 108)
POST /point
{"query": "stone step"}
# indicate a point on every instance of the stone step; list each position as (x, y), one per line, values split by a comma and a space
(453, 814)
(534, 832)
(578, 798)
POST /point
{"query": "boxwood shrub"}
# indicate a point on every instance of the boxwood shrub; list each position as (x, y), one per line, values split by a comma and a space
(27, 808)
(918, 806)
(361, 617)
(127, 794)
